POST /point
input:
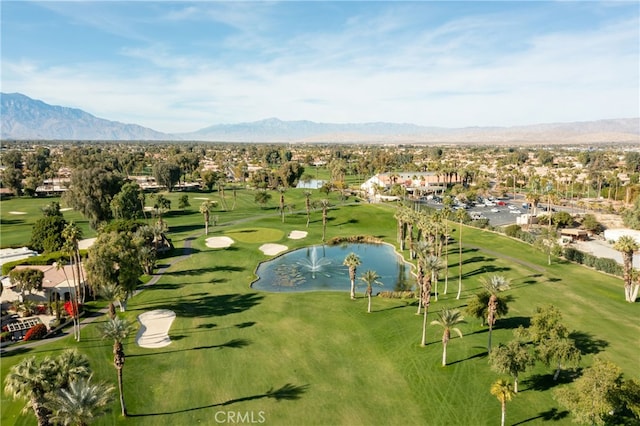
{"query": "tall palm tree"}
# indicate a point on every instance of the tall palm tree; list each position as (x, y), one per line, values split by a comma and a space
(118, 329)
(430, 263)
(352, 261)
(282, 190)
(72, 235)
(448, 319)
(370, 278)
(205, 209)
(307, 205)
(81, 403)
(493, 285)
(460, 215)
(502, 390)
(324, 205)
(627, 245)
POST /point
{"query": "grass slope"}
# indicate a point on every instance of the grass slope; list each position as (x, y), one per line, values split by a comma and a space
(319, 358)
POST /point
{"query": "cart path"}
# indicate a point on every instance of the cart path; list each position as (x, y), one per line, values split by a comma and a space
(186, 252)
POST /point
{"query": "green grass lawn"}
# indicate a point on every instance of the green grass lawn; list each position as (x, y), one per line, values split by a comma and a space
(318, 358)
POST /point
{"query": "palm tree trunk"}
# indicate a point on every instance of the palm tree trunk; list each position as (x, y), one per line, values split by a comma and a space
(503, 405)
(557, 373)
(515, 383)
(353, 289)
(459, 263)
(424, 328)
(121, 390)
(369, 297)
(444, 354)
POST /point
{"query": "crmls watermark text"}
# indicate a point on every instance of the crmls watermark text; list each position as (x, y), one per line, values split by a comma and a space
(240, 417)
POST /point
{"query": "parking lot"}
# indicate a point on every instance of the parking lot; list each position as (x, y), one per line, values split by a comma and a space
(498, 215)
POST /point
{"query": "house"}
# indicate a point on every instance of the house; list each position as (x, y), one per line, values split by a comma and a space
(58, 283)
(417, 183)
(574, 234)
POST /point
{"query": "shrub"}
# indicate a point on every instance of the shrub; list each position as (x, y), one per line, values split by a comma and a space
(36, 332)
(397, 294)
(512, 231)
(69, 308)
(5, 336)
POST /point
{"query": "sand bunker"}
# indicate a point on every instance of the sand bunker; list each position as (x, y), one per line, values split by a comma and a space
(218, 242)
(272, 249)
(17, 212)
(66, 209)
(154, 328)
(297, 235)
(200, 198)
(86, 243)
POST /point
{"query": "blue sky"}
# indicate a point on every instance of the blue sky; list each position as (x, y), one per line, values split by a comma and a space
(181, 66)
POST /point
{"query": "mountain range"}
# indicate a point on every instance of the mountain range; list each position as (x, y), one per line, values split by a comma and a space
(24, 118)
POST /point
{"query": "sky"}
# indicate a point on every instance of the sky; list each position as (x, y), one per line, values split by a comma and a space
(178, 66)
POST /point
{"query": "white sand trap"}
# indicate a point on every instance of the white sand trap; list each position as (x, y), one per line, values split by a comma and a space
(66, 209)
(17, 212)
(297, 235)
(200, 198)
(219, 242)
(272, 249)
(154, 328)
(148, 208)
(86, 243)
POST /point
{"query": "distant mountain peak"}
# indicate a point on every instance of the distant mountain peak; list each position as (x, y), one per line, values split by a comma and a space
(26, 118)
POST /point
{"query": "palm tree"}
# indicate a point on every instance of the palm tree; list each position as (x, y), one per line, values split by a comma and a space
(502, 390)
(307, 205)
(324, 205)
(80, 403)
(627, 245)
(369, 278)
(447, 319)
(34, 381)
(72, 235)
(282, 190)
(352, 261)
(112, 292)
(429, 264)
(460, 215)
(205, 209)
(493, 285)
(118, 329)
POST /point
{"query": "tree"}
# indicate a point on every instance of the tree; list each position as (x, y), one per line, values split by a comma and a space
(627, 245)
(352, 261)
(307, 205)
(493, 286)
(183, 202)
(46, 234)
(91, 191)
(118, 330)
(72, 235)
(167, 174)
(478, 307)
(597, 397)
(448, 319)
(551, 339)
(513, 359)
(591, 224)
(262, 198)
(282, 190)
(113, 258)
(36, 381)
(128, 203)
(503, 391)
(26, 279)
(161, 206)
(460, 216)
(112, 292)
(370, 278)
(324, 205)
(81, 403)
(205, 209)
(12, 178)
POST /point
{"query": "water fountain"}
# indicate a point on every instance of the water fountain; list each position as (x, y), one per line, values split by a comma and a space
(318, 268)
(312, 263)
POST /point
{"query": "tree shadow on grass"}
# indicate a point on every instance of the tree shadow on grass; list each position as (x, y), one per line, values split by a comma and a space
(547, 416)
(288, 392)
(512, 323)
(486, 269)
(233, 344)
(543, 382)
(482, 354)
(475, 259)
(212, 269)
(213, 305)
(587, 344)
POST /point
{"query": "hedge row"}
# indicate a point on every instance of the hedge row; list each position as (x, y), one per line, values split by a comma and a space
(609, 266)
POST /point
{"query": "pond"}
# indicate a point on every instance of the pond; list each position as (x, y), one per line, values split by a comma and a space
(320, 267)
